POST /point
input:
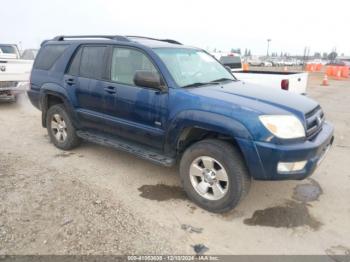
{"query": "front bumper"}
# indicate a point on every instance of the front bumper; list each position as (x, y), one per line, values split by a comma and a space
(262, 158)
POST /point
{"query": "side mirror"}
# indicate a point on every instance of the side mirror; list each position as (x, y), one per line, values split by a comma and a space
(148, 79)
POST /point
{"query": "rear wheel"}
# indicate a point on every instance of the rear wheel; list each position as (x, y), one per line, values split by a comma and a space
(214, 175)
(60, 128)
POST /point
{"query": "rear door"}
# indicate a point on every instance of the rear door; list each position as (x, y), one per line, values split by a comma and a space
(85, 78)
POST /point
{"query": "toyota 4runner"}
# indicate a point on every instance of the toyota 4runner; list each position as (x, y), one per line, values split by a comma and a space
(168, 103)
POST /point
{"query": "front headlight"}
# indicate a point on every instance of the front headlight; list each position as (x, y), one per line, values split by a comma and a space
(283, 126)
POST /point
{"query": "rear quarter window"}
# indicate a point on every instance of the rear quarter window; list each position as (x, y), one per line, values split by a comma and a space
(48, 55)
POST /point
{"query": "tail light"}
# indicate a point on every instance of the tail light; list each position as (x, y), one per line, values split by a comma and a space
(285, 84)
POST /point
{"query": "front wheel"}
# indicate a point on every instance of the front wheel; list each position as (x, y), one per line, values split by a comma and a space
(214, 175)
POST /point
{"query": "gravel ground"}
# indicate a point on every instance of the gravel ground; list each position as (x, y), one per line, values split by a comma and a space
(96, 200)
(46, 211)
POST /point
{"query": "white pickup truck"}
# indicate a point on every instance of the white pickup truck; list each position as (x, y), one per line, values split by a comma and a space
(295, 82)
(14, 72)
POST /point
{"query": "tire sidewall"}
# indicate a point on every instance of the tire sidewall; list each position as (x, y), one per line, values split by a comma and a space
(59, 109)
(234, 192)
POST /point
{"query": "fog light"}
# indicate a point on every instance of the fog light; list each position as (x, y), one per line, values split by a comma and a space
(283, 167)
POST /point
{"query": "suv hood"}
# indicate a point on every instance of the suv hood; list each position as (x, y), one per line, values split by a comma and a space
(258, 98)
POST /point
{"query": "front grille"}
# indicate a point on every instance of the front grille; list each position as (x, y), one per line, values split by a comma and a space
(6, 84)
(314, 121)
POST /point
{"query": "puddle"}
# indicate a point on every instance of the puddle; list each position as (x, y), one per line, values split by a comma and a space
(161, 192)
(292, 214)
(307, 192)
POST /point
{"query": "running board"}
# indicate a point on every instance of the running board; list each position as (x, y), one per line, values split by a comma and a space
(130, 147)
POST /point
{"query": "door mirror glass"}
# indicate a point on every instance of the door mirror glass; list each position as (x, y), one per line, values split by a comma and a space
(149, 79)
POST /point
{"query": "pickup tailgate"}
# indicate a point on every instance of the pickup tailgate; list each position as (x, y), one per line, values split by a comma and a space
(15, 70)
(297, 81)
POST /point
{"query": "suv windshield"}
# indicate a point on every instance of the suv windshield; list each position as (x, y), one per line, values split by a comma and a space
(189, 67)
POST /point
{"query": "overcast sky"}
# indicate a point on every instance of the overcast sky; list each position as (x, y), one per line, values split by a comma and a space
(291, 24)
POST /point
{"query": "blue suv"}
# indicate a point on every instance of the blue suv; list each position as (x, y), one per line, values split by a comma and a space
(170, 103)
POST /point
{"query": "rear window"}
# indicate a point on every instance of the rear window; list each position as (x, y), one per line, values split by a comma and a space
(7, 49)
(92, 63)
(231, 61)
(48, 55)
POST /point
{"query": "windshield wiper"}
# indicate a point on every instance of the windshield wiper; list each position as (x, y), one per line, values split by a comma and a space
(197, 84)
(222, 80)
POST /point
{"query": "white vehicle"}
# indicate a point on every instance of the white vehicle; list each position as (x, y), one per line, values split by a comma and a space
(295, 82)
(256, 61)
(14, 72)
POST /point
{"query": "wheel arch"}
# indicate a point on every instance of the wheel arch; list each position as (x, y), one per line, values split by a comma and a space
(52, 94)
(192, 126)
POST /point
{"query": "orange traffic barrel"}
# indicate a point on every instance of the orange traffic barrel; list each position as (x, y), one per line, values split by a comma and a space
(245, 67)
(337, 72)
(307, 67)
(345, 71)
(313, 67)
(329, 70)
(318, 67)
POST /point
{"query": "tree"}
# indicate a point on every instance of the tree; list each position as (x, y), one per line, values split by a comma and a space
(317, 55)
(332, 56)
(324, 55)
(249, 53)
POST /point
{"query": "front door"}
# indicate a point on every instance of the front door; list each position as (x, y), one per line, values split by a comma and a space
(139, 113)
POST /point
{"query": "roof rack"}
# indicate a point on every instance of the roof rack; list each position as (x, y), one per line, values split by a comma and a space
(112, 37)
(171, 41)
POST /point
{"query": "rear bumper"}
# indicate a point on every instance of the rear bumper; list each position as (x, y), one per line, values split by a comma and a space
(262, 158)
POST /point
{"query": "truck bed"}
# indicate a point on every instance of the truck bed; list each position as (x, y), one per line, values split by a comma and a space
(273, 79)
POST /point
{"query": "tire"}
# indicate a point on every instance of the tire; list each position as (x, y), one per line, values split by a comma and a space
(226, 158)
(60, 128)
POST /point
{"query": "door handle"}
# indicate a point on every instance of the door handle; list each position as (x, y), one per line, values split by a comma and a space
(110, 89)
(70, 81)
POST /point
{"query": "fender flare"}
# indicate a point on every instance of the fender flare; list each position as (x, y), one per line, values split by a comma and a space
(58, 91)
(204, 120)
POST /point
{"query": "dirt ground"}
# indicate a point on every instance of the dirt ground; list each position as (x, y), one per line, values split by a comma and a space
(96, 200)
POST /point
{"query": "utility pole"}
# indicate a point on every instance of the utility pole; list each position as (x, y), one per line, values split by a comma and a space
(268, 46)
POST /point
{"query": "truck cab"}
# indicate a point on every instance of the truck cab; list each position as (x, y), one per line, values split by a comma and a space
(173, 104)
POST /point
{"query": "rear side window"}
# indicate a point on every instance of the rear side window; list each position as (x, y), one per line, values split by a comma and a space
(92, 62)
(48, 55)
(74, 66)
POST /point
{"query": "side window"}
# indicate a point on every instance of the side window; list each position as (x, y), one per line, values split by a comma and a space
(125, 63)
(75, 63)
(92, 62)
(48, 55)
